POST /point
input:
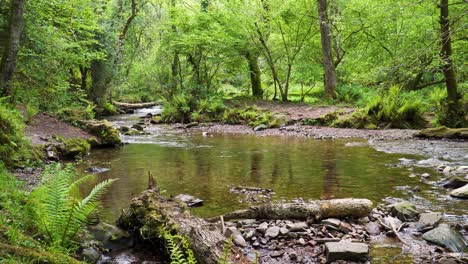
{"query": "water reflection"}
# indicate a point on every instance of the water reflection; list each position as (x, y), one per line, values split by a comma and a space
(292, 167)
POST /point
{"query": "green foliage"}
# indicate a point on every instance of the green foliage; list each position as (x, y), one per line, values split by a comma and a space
(178, 248)
(73, 115)
(224, 259)
(15, 215)
(14, 149)
(61, 213)
(389, 110)
(253, 117)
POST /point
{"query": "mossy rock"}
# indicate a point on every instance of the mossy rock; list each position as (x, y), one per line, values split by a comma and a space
(444, 132)
(107, 134)
(76, 147)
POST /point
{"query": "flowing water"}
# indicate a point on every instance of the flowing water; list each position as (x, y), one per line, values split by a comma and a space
(207, 166)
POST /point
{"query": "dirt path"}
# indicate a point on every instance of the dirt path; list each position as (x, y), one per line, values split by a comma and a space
(44, 127)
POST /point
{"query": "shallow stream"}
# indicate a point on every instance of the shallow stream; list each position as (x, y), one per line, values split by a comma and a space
(207, 166)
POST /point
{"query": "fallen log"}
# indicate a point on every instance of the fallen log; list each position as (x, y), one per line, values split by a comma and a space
(134, 106)
(150, 213)
(337, 208)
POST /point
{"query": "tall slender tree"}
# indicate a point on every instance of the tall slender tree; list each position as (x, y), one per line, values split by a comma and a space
(328, 65)
(453, 111)
(8, 63)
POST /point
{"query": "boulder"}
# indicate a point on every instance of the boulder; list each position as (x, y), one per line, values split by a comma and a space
(405, 211)
(430, 219)
(90, 255)
(124, 129)
(447, 237)
(461, 192)
(346, 250)
(107, 134)
(262, 228)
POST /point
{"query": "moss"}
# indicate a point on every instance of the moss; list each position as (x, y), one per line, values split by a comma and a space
(107, 134)
(444, 132)
(76, 147)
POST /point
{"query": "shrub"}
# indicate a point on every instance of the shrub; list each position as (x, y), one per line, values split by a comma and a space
(13, 148)
(60, 211)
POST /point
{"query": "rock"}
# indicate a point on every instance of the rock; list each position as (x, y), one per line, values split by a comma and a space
(447, 170)
(192, 124)
(107, 134)
(454, 182)
(247, 222)
(284, 231)
(272, 232)
(96, 170)
(52, 156)
(447, 237)
(461, 192)
(249, 234)
(111, 236)
(236, 235)
(430, 219)
(425, 175)
(73, 148)
(332, 222)
(260, 128)
(346, 250)
(262, 227)
(124, 129)
(297, 227)
(90, 254)
(156, 120)
(462, 169)
(292, 256)
(405, 211)
(301, 241)
(276, 254)
(373, 228)
(205, 134)
(190, 200)
(138, 127)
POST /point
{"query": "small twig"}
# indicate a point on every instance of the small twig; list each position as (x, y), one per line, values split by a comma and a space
(222, 224)
(382, 223)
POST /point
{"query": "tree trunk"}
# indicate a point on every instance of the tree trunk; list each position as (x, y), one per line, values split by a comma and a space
(336, 208)
(84, 77)
(150, 212)
(329, 67)
(8, 63)
(255, 74)
(447, 65)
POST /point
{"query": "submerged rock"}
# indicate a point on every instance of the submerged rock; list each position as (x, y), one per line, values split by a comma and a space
(405, 211)
(461, 192)
(346, 250)
(446, 236)
(96, 170)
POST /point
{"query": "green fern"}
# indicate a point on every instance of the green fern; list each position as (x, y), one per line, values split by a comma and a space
(60, 210)
(178, 248)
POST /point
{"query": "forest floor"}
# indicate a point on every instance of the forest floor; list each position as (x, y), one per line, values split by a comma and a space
(43, 127)
(295, 111)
